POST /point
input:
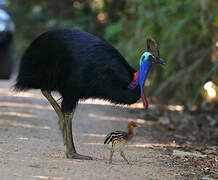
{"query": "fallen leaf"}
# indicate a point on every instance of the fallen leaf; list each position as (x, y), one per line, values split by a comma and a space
(211, 155)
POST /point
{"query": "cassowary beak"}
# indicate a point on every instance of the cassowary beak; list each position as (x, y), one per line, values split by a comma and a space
(160, 61)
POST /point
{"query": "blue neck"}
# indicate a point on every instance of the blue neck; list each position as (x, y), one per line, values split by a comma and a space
(143, 72)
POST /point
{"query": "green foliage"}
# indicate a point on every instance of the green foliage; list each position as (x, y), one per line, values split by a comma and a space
(113, 30)
(183, 30)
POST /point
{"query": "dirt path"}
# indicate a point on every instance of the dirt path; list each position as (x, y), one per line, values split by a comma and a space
(31, 145)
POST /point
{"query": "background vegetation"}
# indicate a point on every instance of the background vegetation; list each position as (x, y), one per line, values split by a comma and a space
(185, 31)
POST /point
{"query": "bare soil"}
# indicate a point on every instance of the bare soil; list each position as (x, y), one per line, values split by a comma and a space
(31, 145)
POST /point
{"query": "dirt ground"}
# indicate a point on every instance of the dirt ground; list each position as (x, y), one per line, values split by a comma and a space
(31, 145)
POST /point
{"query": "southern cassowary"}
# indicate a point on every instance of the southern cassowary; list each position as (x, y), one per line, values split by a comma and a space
(80, 65)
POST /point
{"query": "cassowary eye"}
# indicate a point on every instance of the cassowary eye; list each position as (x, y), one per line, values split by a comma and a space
(151, 59)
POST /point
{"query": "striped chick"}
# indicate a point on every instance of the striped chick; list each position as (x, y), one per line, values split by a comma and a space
(118, 139)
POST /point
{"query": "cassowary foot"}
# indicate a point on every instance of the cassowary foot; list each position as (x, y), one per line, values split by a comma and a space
(72, 155)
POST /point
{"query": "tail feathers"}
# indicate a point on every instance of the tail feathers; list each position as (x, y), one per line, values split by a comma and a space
(107, 138)
(23, 85)
(17, 88)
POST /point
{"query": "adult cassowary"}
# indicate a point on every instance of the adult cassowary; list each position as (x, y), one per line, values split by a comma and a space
(80, 65)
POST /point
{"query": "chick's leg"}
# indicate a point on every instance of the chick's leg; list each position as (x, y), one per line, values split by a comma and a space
(124, 157)
(111, 155)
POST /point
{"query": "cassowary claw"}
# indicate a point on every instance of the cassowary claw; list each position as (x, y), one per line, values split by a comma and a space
(77, 156)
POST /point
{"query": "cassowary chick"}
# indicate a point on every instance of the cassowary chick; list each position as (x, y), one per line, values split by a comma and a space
(118, 139)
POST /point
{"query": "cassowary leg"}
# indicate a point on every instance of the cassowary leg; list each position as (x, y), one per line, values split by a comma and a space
(124, 157)
(65, 123)
(71, 151)
(57, 109)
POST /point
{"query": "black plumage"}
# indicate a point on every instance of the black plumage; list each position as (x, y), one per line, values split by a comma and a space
(78, 65)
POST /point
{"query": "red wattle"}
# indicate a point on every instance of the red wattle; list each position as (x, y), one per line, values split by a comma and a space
(135, 76)
(144, 100)
(133, 83)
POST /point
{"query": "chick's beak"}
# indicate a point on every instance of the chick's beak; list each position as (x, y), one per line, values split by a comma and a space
(137, 126)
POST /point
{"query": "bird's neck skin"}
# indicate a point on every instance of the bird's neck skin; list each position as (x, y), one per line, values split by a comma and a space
(143, 72)
(140, 76)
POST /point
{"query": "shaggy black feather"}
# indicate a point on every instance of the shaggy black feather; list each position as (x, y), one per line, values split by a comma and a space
(78, 65)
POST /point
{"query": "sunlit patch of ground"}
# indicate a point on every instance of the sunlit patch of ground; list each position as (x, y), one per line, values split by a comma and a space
(24, 105)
